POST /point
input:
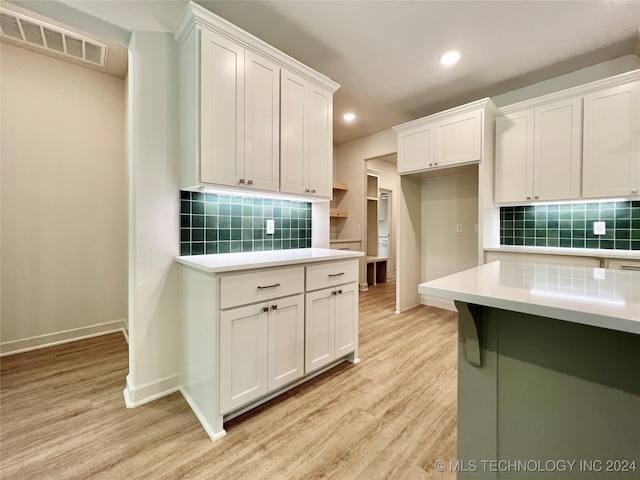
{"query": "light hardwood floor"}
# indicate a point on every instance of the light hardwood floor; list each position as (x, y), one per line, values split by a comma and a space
(392, 416)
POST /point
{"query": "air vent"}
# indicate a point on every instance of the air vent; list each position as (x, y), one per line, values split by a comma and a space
(42, 35)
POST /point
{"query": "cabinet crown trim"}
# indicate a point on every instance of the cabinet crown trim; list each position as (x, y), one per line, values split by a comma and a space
(194, 14)
(580, 90)
(484, 103)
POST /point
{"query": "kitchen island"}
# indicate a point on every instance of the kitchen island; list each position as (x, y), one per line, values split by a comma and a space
(548, 371)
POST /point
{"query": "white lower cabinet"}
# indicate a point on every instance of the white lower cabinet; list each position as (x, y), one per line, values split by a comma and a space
(249, 336)
(261, 349)
(331, 325)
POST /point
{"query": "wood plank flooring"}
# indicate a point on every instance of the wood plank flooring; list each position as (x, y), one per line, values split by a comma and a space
(62, 413)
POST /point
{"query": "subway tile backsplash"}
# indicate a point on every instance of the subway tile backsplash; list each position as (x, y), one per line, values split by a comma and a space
(571, 225)
(215, 223)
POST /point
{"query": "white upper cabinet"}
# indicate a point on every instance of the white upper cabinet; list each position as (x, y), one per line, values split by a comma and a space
(583, 142)
(306, 160)
(514, 157)
(459, 139)
(233, 120)
(449, 138)
(538, 153)
(416, 149)
(611, 142)
(556, 150)
(239, 108)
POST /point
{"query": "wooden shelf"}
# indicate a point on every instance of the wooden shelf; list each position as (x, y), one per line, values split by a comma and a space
(372, 199)
(338, 213)
(340, 186)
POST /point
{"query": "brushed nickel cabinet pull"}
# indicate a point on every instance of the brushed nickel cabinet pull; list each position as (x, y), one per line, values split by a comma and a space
(250, 182)
(265, 309)
(274, 307)
(633, 268)
(261, 287)
(241, 182)
(336, 274)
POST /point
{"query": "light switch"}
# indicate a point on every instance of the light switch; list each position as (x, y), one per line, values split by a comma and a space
(599, 228)
(270, 227)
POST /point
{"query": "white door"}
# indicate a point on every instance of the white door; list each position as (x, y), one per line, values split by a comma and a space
(416, 149)
(221, 110)
(459, 139)
(514, 157)
(262, 122)
(611, 155)
(294, 132)
(346, 319)
(286, 341)
(243, 355)
(320, 160)
(557, 150)
(319, 329)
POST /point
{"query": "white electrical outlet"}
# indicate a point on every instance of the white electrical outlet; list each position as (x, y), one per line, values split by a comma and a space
(599, 228)
(459, 227)
(270, 227)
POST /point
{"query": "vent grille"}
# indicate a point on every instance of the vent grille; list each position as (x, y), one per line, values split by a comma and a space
(40, 34)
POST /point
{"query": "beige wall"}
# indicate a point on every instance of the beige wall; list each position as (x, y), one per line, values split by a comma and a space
(64, 200)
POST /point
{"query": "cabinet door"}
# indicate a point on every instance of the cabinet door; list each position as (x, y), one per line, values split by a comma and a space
(514, 157)
(416, 149)
(243, 356)
(611, 155)
(261, 122)
(320, 160)
(346, 320)
(557, 150)
(221, 110)
(459, 139)
(319, 329)
(294, 132)
(286, 341)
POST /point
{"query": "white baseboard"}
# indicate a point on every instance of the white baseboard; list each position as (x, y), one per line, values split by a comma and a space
(134, 396)
(200, 416)
(438, 302)
(66, 336)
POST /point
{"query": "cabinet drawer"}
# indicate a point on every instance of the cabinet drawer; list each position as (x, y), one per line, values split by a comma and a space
(616, 264)
(260, 286)
(329, 274)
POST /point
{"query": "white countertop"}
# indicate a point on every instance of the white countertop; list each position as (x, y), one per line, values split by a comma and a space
(229, 262)
(590, 296)
(579, 252)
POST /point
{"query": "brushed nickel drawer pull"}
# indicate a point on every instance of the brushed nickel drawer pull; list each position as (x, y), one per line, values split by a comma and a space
(336, 274)
(260, 287)
(633, 268)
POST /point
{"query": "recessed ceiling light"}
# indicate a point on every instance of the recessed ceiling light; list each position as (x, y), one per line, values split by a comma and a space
(450, 57)
(349, 117)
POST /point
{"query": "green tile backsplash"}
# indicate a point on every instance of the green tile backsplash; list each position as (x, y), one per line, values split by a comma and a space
(214, 223)
(571, 225)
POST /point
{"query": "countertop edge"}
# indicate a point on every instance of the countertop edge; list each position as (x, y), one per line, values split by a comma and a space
(267, 263)
(594, 320)
(571, 252)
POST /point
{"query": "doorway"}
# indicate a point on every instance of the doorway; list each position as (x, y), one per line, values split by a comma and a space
(384, 223)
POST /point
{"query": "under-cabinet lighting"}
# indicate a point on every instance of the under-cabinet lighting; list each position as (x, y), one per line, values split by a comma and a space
(252, 194)
(568, 202)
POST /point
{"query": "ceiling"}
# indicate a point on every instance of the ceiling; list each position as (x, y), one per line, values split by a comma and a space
(385, 53)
